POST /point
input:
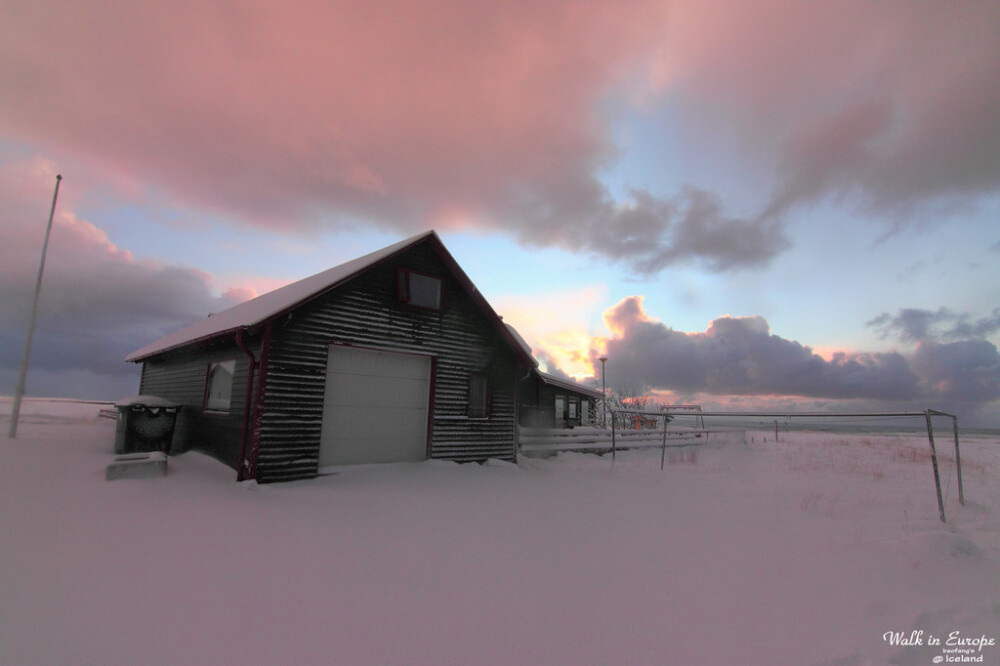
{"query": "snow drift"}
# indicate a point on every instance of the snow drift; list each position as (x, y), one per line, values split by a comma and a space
(810, 550)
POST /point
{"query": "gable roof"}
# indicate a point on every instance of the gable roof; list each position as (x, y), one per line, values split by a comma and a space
(257, 311)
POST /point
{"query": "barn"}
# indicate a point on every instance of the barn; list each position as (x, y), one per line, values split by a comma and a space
(394, 356)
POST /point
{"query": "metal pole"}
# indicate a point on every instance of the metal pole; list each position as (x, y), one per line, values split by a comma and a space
(663, 453)
(15, 411)
(604, 392)
(958, 454)
(934, 462)
(958, 463)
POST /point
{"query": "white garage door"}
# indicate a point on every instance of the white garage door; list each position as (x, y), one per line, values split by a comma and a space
(375, 408)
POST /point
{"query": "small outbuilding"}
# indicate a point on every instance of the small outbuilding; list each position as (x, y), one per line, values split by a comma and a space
(548, 401)
(394, 356)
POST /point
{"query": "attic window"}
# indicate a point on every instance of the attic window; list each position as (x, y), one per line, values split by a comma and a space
(417, 289)
(219, 389)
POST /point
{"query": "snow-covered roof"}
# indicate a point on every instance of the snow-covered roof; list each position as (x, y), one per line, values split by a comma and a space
(146, 401)
(525, 347)
(569, 384)
(258, 310)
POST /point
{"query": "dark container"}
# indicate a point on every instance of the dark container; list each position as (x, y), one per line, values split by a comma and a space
(145, 423)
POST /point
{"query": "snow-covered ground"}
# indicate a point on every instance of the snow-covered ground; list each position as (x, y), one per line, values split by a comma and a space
(809, 550)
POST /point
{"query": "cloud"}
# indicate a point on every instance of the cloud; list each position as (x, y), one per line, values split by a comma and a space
(889, 104)
(917, 325)
(97, 302)
(553, 323)
(649, 233)
(965, 370)
(307, 114)
(740, 356)
(550, 366)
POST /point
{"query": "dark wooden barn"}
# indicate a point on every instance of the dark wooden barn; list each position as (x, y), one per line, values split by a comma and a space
(394, 356)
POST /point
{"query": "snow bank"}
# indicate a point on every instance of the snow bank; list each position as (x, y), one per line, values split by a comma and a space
(809, 550)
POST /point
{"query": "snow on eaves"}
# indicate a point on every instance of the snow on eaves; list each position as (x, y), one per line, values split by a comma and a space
(569, 384)
(525, 347)
(258, 310)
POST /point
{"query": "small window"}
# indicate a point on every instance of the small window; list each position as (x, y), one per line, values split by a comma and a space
(560, 407)
(219, 391)
(479, 397)
(421, 290)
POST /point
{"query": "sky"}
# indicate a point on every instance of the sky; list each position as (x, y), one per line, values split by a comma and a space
(752, 205)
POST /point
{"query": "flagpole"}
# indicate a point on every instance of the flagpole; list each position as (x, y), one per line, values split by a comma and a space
(15, 411)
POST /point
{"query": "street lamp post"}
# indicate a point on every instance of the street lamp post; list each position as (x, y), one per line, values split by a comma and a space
(604, 391)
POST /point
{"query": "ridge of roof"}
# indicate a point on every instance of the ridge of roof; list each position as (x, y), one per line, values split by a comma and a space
(273, 303)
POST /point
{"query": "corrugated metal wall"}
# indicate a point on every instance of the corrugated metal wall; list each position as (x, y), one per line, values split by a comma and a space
(367, 312)
(182, 377)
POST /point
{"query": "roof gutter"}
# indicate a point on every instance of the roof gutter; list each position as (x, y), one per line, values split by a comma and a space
(258, 403)
(241, 473)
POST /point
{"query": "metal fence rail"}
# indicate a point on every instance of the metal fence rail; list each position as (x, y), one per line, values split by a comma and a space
(658, 431)
(594, 439)
(611, 440)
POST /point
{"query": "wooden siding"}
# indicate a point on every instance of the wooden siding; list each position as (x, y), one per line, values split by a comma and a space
(181, 377)
(366, 312)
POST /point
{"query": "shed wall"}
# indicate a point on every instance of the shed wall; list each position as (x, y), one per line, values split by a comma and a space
(366, 312)
(182, 377)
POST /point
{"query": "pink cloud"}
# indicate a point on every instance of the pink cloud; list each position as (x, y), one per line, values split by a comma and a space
(393, 110)
(497, 115)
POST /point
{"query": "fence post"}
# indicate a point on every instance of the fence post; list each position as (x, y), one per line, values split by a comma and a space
(663, 453)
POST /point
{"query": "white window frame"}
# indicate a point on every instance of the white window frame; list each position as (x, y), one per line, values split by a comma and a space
(219, 393)
(419, 289)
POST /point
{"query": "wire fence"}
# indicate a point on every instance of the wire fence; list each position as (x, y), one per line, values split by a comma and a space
(927, 416)
(685, 425)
